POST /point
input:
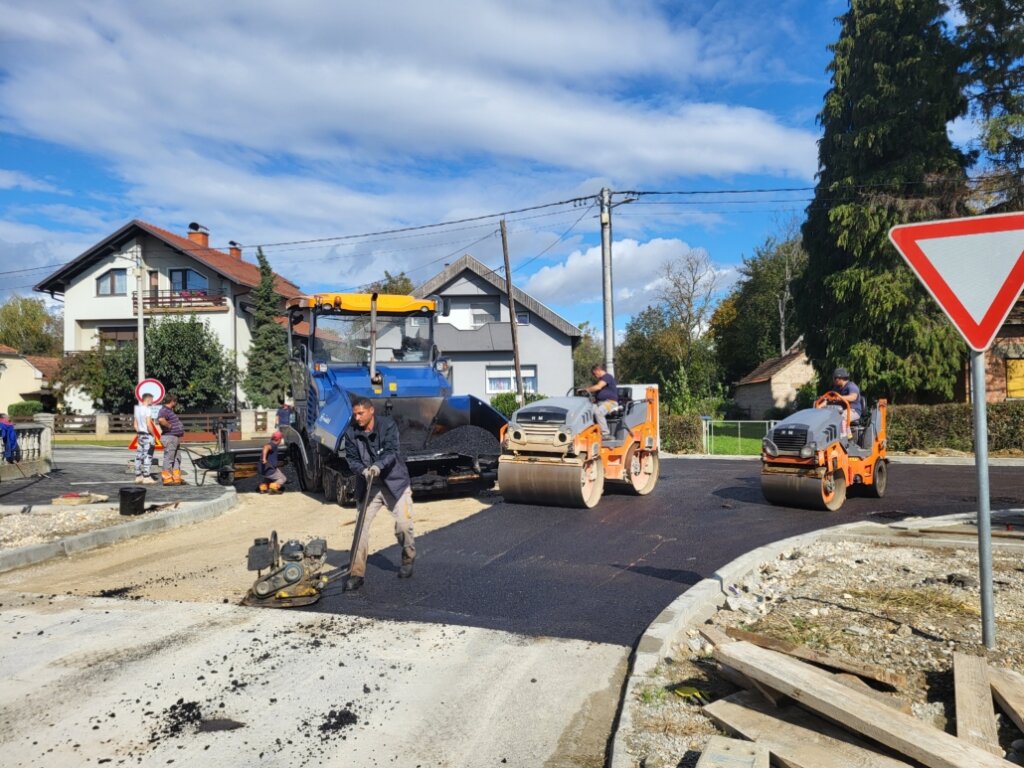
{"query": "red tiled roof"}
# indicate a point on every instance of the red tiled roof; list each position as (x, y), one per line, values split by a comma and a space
(5, 350)
(769, 368)
(45, 365)
(243, 272)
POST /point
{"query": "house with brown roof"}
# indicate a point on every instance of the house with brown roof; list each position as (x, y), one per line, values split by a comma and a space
(774, 383)
(1004, 362)
(180, 275)
(26, 377)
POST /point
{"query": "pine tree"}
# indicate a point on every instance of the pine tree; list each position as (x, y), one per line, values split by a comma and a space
(266, 374)
(992, 37)
(884, 158)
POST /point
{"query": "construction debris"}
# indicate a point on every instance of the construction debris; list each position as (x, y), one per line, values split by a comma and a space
(73, 499)
(732, 753)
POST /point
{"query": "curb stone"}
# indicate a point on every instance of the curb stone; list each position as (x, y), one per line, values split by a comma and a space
(194, 512)
(695, 606)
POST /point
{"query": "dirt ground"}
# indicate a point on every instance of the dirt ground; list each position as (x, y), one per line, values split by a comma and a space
(902, 607)
(168, 565)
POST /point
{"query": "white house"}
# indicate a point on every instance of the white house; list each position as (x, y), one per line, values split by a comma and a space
(181, 275)
(477, 338)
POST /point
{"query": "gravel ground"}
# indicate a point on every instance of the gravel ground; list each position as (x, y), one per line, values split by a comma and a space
(904, 608)
(48, 523)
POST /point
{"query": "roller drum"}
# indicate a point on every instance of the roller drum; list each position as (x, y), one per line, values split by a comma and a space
(562, 484)
(806, 491)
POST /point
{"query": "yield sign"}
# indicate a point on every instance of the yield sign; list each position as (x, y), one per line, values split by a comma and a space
(973, 267)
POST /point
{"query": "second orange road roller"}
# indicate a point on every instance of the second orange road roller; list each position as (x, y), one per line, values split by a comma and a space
(552, 452)
(809, 460)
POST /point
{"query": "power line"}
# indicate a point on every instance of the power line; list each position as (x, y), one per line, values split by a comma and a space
(32, 269)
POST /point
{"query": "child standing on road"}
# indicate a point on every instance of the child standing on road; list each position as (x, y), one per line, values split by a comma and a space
(271, 476)
(144, 430)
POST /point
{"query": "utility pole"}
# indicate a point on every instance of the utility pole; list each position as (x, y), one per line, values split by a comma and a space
(606, 280)
(520, 394)
(141, 330)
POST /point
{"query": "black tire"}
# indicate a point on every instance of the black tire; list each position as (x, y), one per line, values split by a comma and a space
(881, 480)
(226, 477)
(330, 485)
(834, 501)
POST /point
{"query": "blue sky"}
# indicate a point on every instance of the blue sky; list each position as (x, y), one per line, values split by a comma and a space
(274, 122)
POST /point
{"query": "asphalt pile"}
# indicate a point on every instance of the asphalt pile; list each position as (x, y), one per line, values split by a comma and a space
(468, 440)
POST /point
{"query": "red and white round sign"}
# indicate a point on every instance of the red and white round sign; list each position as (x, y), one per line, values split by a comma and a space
(149, 387)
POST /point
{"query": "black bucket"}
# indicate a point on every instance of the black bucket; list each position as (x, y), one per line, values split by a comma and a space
(133, 501)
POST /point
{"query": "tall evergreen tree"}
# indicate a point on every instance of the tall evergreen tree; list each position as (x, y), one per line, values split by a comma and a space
(884, 158)
(992, 36)
(266, 374)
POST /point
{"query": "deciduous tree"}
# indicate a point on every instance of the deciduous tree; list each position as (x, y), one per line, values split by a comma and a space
(29, 327)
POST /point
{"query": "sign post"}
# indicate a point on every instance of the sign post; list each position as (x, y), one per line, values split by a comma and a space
(974, 268)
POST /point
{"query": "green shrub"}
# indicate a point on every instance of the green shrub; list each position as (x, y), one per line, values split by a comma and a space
(950, 426)
(25, 408)
(682, 433)
(507, 403)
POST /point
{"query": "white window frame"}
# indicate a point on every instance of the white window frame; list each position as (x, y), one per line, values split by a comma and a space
(506, 374)
(483, 313)
(110, 278)
(522, 317)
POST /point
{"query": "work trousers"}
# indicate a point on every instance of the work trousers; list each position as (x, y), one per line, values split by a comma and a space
(401, 511)
(172, 452)
(144, 454)
(601, 410)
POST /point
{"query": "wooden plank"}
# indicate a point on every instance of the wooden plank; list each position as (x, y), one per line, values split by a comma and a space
(972, 530)
(714, 635)
(975, 717)
(722, 752)
(871, 671)
(816, 690)
(888, 699)
(1008, 689)
(795, 738)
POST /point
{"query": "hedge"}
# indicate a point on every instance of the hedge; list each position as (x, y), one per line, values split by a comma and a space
(507, 403)
(682, 433)
(950, 426)
(27, 408)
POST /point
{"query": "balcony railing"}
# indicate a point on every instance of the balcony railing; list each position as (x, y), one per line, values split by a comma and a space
(180, 301)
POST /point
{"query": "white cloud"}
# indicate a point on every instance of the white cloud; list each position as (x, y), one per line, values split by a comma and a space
(17, 180)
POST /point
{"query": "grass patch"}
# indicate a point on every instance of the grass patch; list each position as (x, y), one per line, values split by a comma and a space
(928, 600)
(651, 695)
(735, 438)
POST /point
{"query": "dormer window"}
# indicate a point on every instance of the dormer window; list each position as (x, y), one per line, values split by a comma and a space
(113, 282)
(188, 280)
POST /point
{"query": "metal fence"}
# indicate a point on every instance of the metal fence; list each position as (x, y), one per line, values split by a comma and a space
(64, 424)
(734, 438)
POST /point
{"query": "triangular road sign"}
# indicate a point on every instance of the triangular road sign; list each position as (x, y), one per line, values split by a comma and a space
(973, 267)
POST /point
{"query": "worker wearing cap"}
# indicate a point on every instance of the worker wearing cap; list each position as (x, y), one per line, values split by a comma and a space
(271, 477)
(371, 449)
(850, 392)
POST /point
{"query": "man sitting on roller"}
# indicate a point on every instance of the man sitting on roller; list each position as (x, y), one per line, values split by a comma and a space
(606, 397)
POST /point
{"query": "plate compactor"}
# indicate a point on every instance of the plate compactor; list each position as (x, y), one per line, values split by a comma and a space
(552, 451)
(293, 575)
(807, 460)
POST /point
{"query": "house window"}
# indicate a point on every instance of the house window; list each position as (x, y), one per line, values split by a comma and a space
(117, 336)
(503, 379)
(1015, 377)
(484, 313)
(522, 318)
(188, 280)
(113, 282)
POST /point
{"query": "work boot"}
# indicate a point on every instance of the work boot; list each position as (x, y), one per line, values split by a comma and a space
(167, 477)
(275, 488)
(148, 480)
(353, 583)
(138, 479)
(178, 479)
(405, 572)
(263, 487)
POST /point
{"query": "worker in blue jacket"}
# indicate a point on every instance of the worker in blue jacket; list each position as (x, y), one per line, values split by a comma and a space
(372, 452)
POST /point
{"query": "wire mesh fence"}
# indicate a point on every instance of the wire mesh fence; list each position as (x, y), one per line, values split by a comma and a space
(734, 438)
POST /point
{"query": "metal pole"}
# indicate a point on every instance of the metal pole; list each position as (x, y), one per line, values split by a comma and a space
(978, 391)
(520, 391)
(141, 329)
(606, 279)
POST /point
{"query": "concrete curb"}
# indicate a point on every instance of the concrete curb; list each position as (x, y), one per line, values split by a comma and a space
(191, 512)
(695, 606)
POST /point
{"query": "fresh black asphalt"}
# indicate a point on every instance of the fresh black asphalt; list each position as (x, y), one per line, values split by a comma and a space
(604, 574)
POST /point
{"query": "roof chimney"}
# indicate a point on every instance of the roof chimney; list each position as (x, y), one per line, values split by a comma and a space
(199, 234)
(235, 249)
